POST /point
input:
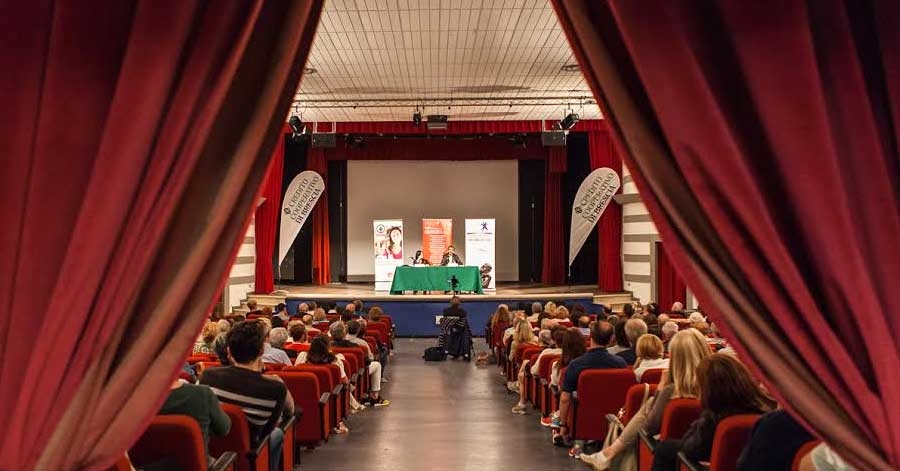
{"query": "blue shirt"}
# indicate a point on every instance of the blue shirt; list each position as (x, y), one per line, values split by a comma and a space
(595, 358)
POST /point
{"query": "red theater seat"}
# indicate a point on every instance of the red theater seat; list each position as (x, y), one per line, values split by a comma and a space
(315, 426)
(599, 392)
(652, 376)
(249, 458)
(802, 452)
(677, 417)
(177, 438)
(545, 399)
(731, 437)
(327, 384)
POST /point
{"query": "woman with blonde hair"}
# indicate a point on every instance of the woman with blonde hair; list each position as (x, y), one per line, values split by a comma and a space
(522, 336)
(204, 343)
(687, 350)
(561, 313)
(501, 316)
(649, 350)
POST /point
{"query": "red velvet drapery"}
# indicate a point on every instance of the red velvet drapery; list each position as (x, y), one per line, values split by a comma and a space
(321, 242)
(135, 136)
(765, 146)
(267, 214)
(609, 265)
(670, 286)
(553, 260)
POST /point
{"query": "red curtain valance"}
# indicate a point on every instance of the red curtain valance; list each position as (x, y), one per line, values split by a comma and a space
(453, 127)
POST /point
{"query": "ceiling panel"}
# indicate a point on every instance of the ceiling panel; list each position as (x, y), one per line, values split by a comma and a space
(469, 59)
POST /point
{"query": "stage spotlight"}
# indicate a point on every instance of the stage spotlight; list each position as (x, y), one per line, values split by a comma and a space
(298, 128)
(417, 118)
(568, 122)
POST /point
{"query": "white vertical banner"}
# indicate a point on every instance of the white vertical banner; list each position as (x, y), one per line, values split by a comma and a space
(388, 244)
(299, 200)
(594, 195)
(481, 239)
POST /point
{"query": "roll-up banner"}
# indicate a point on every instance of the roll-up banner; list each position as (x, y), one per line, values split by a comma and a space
(594, 195)
(481, 237)
(299, 200)
(388, 251)
(437, 235)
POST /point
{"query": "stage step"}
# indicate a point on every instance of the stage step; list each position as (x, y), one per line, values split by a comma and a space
(614, 300)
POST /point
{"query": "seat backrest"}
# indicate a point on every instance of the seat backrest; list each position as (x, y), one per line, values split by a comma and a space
(351, 359)
(678, 416)
(600, 392)
(652, 376)
(298, 347)
(633, 399)
(388, 321)
(176, 437)
(322, 325)
(731, 437)
(804, 450)
(380, 329)
(322, 374)
(546, 365)
(497, 333)
(238, 437)
(524, 352)
(273, 366)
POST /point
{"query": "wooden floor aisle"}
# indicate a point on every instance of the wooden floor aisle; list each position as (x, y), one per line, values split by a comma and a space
(443, 416)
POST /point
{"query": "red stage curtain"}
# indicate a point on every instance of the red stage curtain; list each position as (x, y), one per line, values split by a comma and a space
(553, 265)
(764, 140)
(453, 127)
(669, 285)
(609, 266)
(135, 136)
(321, 242)
(267, 218)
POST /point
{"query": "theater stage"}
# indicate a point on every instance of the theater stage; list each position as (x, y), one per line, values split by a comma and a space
(416, 315)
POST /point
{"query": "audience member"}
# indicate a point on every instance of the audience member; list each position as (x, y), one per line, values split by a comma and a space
(726, 389)
(307, 321)
(264, 398)
(320, 316)
(561, 313)
(320, 353)
(649, 355)
(302, 309)
(662, 319)
(375, 313)
(266, 312)
(572, 347)
(282, 313)
(536, 310)
(627, 311)
(339, 339)
(634, 328)
(552, 339)
(651, 319)
(577, 311)
(252, 307)
(688, 349)
(597, 357)
(669, 329)
(223, 325)
(652, 308)
(271, 353)
(823, 458)
(620, 341)
(204, 343)
(584, 324)
(774, 441)
(455, 310)
(199, 402)
(297, 330)
(501, 316)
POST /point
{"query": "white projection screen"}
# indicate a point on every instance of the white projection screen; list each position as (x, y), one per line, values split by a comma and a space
(415, 189)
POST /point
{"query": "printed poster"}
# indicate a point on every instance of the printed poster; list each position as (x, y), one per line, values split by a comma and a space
(388, 251)
(437, 235)
(481, 238)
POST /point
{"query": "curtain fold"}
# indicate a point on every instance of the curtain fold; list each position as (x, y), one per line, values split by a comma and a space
(125, 202)
(609, 227)
(766, 149)
(267, 218)
(321, 237)
(553, 259)
(670, 286)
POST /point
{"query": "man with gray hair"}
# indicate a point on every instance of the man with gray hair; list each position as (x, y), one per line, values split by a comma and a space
(669, 329)
(634, 328)
(275, 338)
(536, 310)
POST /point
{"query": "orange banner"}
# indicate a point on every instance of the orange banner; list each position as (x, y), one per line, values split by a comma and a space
(437, 235)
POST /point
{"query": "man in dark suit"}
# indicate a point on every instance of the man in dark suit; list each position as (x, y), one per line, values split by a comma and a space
(454, 310)
(450, 256)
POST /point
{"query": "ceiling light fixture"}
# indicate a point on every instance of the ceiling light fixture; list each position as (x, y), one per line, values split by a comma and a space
(417, 117)
(298, 128)
(569, 121)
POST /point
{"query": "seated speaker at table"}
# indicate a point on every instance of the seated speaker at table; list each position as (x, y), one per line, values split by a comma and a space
(450, 257)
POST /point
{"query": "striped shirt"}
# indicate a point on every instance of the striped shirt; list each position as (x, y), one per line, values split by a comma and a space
(261, 399)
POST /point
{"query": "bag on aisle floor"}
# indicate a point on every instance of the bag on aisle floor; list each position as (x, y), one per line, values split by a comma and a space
(434, 354)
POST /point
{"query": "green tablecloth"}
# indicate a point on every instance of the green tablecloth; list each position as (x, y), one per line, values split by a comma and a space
(426, 278)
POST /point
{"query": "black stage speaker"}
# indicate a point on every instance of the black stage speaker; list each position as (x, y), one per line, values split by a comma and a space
(553, 138)
(437, 121)
(324, 139)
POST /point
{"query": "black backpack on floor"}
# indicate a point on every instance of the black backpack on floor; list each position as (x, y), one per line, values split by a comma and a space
(434, 354)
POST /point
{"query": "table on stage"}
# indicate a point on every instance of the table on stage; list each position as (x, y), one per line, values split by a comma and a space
(435, 278)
